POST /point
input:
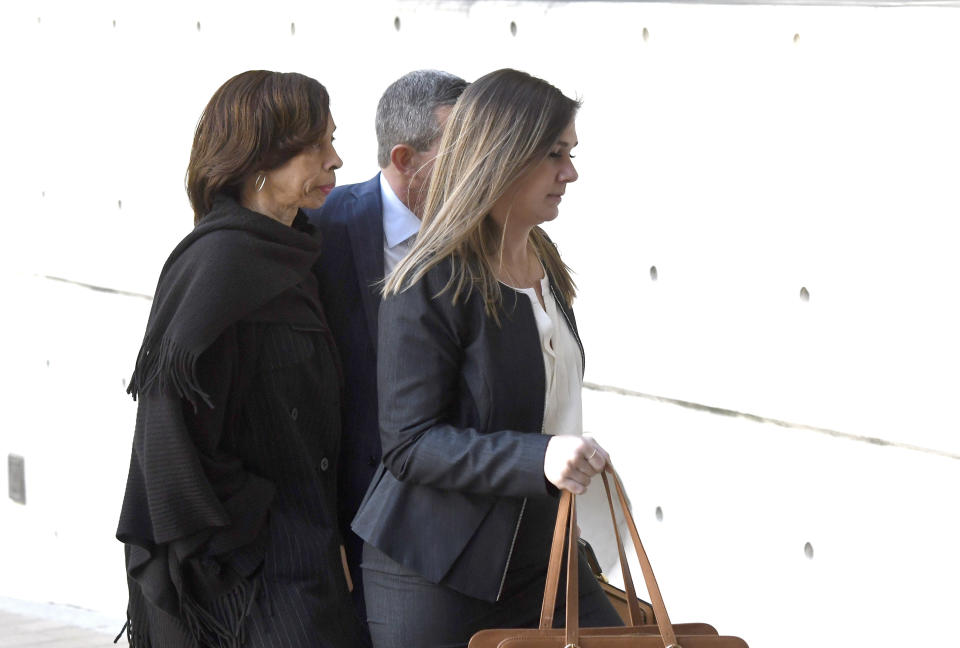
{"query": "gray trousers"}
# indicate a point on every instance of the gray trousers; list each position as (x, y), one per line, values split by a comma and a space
(404, 610)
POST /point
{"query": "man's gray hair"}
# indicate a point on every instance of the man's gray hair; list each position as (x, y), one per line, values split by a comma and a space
(405, 114)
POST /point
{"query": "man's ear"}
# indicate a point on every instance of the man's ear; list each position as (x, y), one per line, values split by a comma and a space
(402, 157)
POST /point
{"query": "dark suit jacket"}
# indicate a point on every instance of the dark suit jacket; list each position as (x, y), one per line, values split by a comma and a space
(461, 416)
(348, 271)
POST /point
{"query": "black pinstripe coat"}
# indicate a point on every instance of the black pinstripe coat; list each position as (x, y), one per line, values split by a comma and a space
(230, 515)
(276, 419)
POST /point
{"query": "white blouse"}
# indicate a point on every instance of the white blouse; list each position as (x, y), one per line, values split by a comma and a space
(563, 414)
(562, 362)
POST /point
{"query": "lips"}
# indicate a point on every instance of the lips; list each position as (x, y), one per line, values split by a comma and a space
(326, 189)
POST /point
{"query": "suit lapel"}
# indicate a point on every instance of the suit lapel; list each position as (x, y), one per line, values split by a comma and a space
(366, 238)
(567, 313)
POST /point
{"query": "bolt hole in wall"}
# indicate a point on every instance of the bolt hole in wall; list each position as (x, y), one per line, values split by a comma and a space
(804, 294)
(659, 514)
(293, 29)
(396, 23)
(653, 273)
(808, 550)
(16, 478)
(513, 28)
(646, 34)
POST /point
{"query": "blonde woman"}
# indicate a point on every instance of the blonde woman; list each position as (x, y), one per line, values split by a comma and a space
(479, 376)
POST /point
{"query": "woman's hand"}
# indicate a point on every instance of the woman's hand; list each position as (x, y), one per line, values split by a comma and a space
(571, 462)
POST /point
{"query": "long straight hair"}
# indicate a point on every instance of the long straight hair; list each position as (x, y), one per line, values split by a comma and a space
(503, 125)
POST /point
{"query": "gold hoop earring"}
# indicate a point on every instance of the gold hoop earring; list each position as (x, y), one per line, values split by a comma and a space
(261, 180)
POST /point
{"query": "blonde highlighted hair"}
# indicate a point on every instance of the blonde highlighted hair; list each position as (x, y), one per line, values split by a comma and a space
(503, 125)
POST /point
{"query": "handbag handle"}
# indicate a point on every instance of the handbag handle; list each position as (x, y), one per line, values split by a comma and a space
(631, 592)
(653, 589)
(565, 529)
(553, 565)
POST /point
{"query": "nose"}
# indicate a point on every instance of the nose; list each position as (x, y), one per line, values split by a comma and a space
(568, 173)
(334, 162)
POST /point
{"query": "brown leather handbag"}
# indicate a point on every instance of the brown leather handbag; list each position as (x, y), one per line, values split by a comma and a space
(635, 634)
(616, 596)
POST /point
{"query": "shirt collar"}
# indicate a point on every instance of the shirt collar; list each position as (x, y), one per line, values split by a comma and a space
(399, 223)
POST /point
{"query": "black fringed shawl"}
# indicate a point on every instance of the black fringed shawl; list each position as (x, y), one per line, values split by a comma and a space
(235, 265)
(233, 262)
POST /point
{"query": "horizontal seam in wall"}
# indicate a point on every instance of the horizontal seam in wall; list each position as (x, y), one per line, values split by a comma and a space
(661, 399)
(771, 421)
(103, 289)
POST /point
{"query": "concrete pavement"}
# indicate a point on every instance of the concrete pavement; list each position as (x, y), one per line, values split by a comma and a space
(26, 624)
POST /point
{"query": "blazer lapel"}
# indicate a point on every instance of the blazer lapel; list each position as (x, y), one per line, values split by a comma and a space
(567, 313)
(366, 238)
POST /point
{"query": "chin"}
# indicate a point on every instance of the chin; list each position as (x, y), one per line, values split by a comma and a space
(313, 202)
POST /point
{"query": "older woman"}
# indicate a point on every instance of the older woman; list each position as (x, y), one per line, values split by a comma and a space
(480, 369)
(229, 517)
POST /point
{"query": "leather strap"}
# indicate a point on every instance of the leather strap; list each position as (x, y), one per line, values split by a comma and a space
(636, 619)
(553, 567)
(659, 610)
(573, 584)
(566, 529)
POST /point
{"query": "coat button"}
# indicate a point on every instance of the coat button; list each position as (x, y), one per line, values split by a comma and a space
(373, 461)
(294, 413)
(324, 464)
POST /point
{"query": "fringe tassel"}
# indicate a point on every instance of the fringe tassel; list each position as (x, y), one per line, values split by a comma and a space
(136, 625)
(135, 638)
(224, 627)
(172, 367)
(124, 629)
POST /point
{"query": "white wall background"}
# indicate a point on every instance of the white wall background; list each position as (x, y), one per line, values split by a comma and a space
(745, 151)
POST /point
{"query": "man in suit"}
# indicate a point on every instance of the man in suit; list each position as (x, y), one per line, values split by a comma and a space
(366, 228)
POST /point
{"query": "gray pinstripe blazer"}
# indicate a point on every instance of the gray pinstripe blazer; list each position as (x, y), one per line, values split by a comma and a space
(461, 415)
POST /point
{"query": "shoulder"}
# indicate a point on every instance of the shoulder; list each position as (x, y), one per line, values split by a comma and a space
(431, 291)
(434, 284)
(431, 297)
(425, 309)
(342, 202)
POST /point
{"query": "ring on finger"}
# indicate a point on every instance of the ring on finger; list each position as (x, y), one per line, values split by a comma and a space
(592, 455)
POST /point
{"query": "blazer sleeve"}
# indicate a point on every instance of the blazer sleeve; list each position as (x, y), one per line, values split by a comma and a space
(420, 385)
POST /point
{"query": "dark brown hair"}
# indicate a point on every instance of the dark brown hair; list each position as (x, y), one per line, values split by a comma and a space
(255, 121)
